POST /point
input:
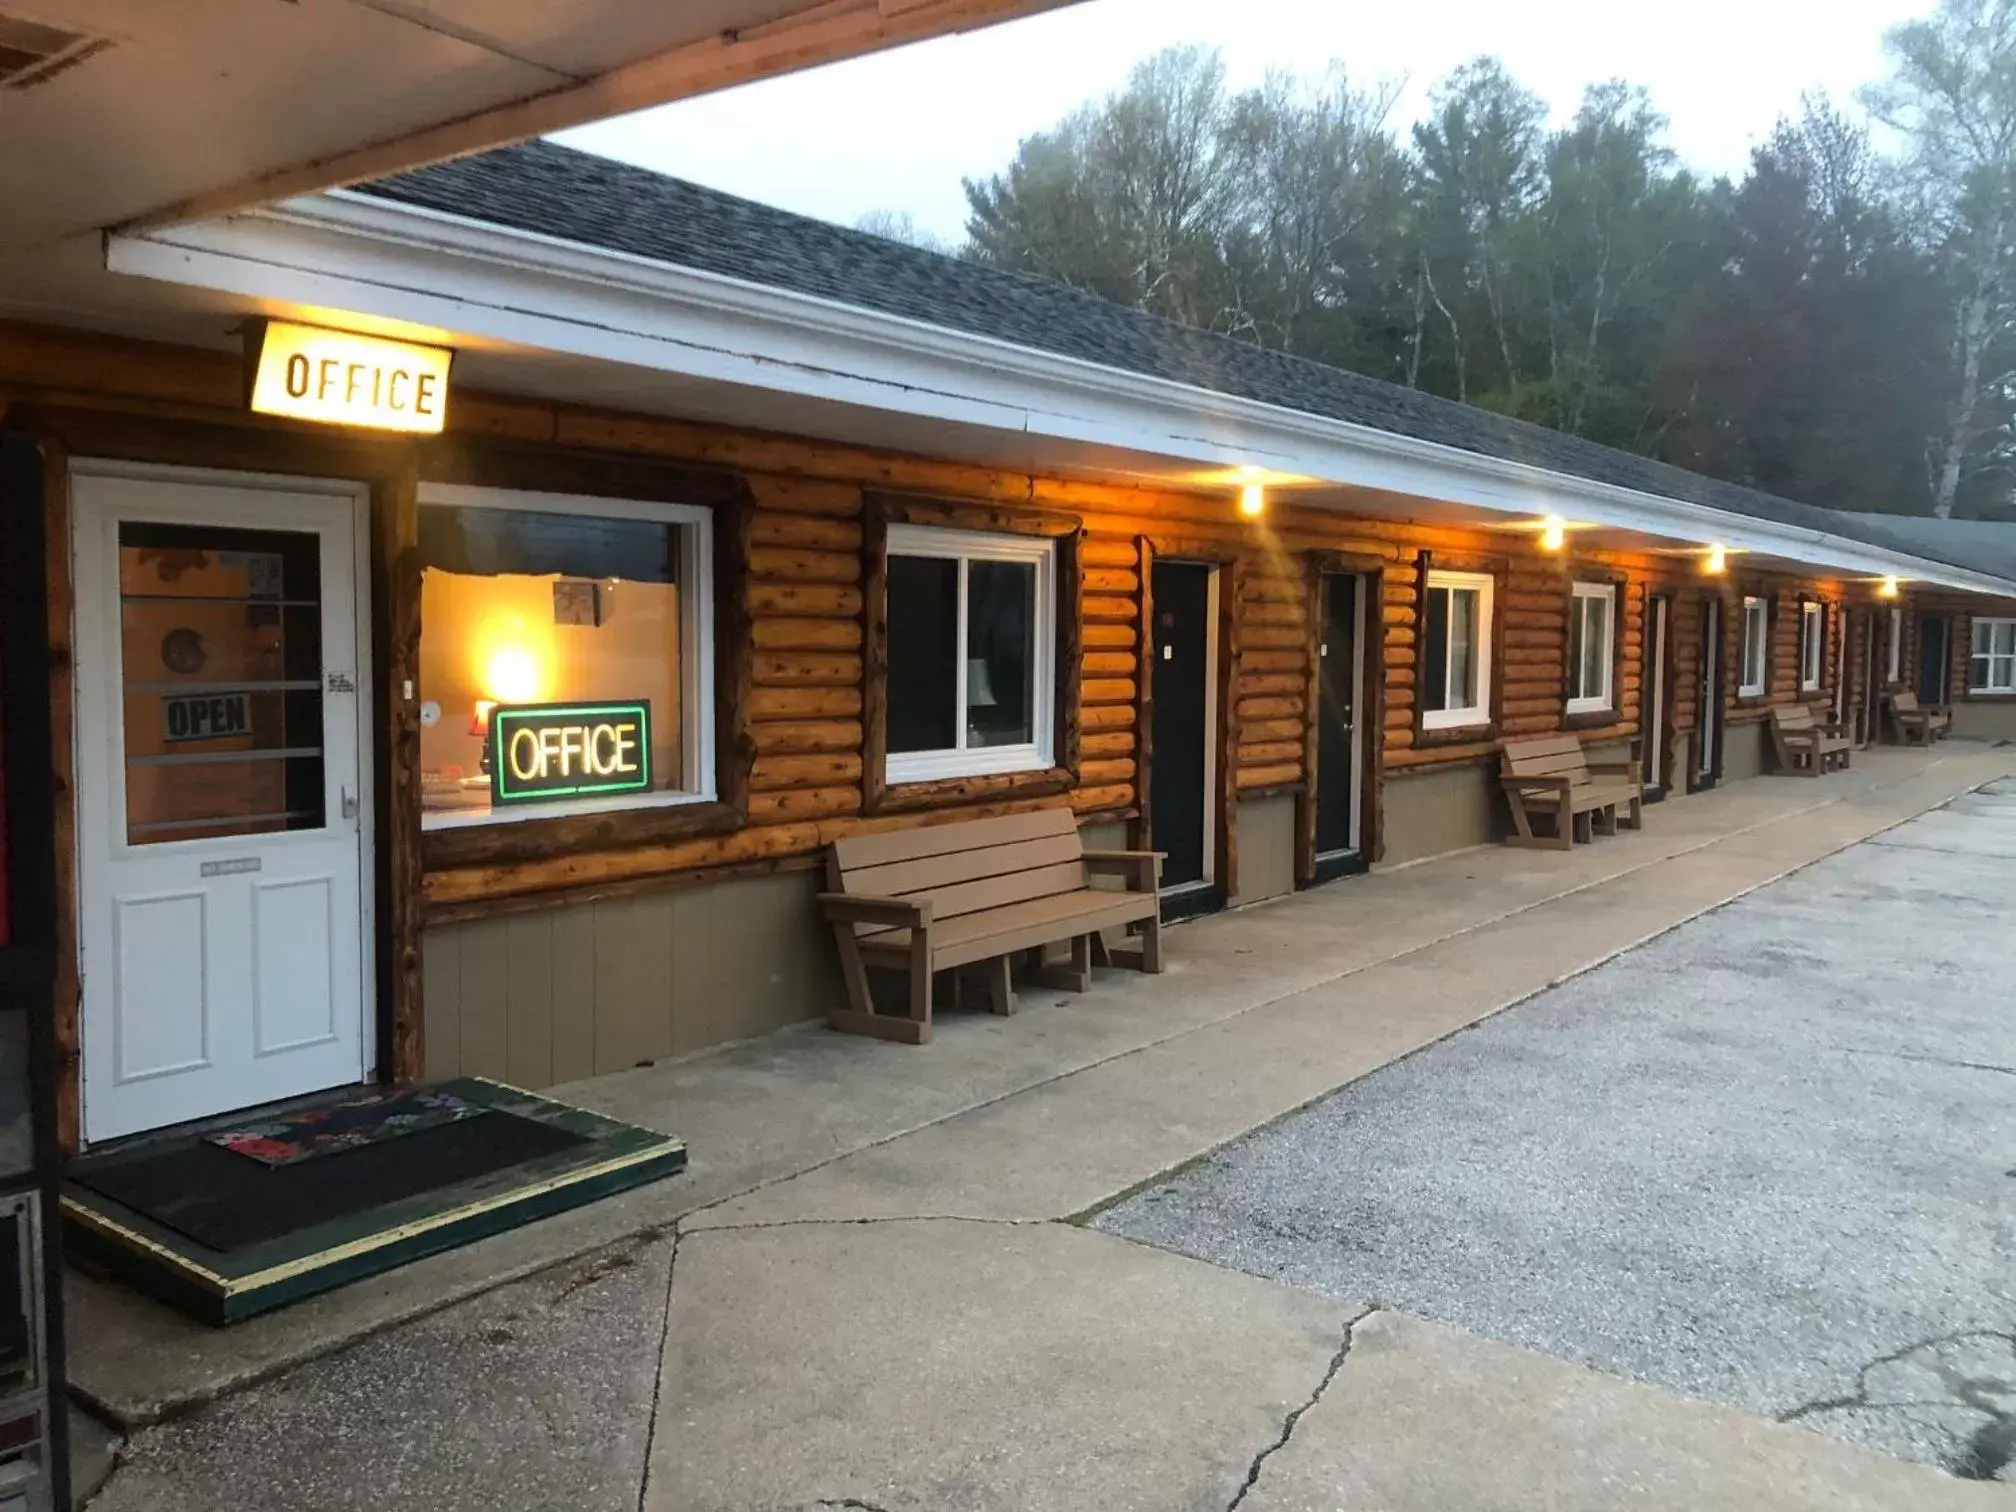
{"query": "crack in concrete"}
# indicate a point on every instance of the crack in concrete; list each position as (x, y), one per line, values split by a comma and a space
(781, 1223)
(1288, 1424)
(1989, 1449)
(658, 1375)
(1933, 1060)
(851, 1503)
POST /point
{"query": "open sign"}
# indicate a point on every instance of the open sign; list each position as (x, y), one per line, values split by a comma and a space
(209, 716)
(543, 752)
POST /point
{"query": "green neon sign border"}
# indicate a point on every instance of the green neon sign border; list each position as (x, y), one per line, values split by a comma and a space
(502, 717)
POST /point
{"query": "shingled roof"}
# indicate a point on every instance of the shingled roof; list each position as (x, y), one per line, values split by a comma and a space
(560, 192)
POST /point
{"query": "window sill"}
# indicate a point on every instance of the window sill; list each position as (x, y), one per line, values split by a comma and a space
(948, 792)
(906, 770)
(1471, 720)
(529, 839)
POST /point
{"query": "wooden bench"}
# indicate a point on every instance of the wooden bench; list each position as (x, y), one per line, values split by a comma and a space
(1920, 722)
(1552, 775)
(1806, 743)
(936, 898)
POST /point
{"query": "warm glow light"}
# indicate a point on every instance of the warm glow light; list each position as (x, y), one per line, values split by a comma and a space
(1553, 533)
(512, 675)
(339, 378)
(1889, 588)
(1253, 501)
(1718, 559)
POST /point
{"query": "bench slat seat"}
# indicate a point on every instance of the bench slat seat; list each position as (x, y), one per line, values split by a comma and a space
(1552, 775)
(1922, 723)
(945, 896)
(1806, 744)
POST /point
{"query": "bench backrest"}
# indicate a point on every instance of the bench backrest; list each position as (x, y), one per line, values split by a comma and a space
(964, 867)
(1547, 756)
(1793, 717)
(1904, 701)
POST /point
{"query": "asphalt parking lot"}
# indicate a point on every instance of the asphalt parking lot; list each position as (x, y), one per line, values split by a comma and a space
(1768, 1159)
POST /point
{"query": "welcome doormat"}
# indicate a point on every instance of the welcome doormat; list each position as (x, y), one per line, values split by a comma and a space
(327, 1128)
(224, 1237)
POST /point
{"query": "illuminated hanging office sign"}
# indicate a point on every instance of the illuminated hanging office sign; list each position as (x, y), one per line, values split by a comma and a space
(340, 378)
(543, 752)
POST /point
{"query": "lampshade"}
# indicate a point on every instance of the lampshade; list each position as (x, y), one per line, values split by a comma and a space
(979, 688)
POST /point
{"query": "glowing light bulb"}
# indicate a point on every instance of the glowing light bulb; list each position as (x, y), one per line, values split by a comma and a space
(1718, 559)
(1253, 501)
(1553, 533)
(1889, 588)
(512, 676)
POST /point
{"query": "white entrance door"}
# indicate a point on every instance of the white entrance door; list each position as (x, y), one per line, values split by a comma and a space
(221, 845)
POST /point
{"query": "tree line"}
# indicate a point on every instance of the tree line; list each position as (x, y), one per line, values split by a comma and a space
(1835, 326)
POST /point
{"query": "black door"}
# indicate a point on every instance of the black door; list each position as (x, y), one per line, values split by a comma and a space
(1708, 704)
(1934, 662)
(1178, 797)
(1337, 789)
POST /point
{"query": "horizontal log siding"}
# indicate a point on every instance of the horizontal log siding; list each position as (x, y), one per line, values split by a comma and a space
(804, 602)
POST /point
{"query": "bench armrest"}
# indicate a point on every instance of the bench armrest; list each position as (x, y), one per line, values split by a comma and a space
(896, 913)
(1145, 867)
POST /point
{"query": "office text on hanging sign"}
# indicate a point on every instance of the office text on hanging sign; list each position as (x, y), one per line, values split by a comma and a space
(543, 752)
(341, 378)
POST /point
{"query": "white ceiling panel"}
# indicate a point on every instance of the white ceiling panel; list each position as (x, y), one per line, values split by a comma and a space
(179, 108)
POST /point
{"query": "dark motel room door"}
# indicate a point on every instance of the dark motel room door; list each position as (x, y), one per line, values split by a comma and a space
(1182, 765)
(1339, 747)
(223, 827)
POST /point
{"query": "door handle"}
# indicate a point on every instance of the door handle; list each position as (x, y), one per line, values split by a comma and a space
(349, 804)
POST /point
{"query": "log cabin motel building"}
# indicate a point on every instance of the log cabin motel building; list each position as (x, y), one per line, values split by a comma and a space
(475, 601)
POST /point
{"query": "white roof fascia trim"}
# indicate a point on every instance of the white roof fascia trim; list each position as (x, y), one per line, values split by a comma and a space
(346, 251)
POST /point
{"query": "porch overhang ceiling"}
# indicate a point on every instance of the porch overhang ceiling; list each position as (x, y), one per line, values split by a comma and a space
(135, 112)
(512, 299)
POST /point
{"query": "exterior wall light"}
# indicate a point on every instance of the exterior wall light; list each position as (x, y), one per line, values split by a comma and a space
(1718, 560)
(1253, 501)
(1888, 589)
(1553, 533)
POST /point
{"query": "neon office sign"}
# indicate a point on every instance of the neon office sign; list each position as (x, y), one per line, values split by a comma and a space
(543, 752)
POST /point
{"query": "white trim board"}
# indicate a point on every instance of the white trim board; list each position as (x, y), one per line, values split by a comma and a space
(473, 280)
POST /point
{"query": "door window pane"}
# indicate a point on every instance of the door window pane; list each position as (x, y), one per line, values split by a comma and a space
(220, 634)
(543, 607)
(923, 653)
(1000, 653)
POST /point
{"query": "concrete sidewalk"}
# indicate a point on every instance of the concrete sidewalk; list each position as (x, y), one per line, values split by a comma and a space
(863, 1290)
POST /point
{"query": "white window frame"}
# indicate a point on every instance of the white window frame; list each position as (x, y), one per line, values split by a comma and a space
(1037, 755)
(1991, 688)
(1894, 665)
(1812, 645)
(1745, 688)
(1485, 586)
(696, 642)
(1599, 702)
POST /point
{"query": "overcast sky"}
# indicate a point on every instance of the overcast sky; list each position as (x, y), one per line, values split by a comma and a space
(897, 132)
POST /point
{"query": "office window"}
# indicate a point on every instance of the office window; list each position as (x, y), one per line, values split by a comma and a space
(1455, 668)
(1993, 668)
(1756, 648)
(566, 647)
(1812, 645)
(1592, 639)
(972, 653)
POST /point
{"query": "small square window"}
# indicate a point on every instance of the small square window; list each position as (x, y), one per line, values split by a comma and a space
(1592, 621)
(1756, 647)
(1812, 645)
(1455, 657)
(566, 655)
(972, 653)
(1993, 667)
